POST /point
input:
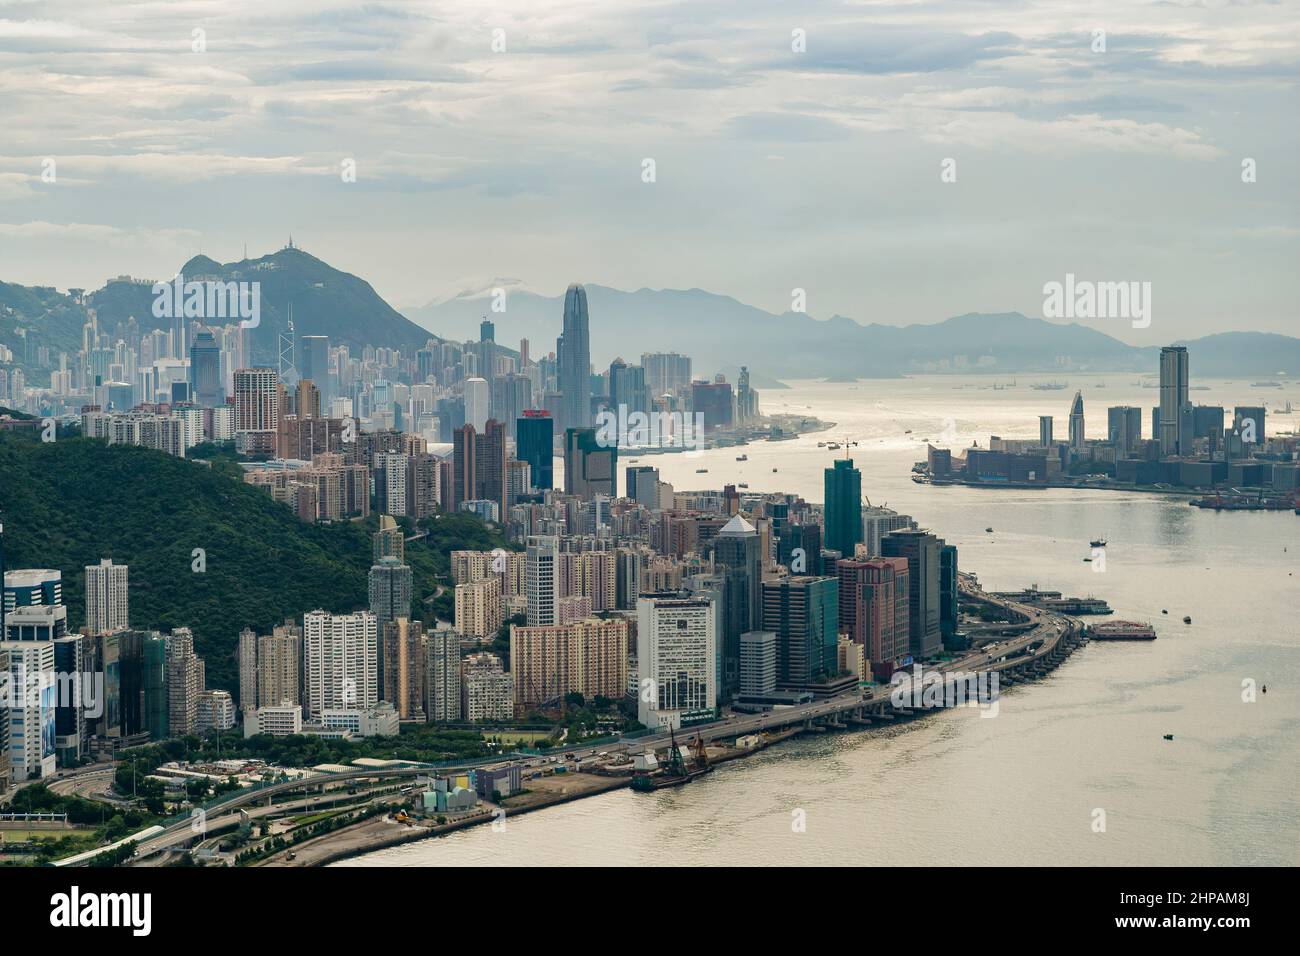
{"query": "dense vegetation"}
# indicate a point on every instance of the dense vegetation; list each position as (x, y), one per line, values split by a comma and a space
(70, 503)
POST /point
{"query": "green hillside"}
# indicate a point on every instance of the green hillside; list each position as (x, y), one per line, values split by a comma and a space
(72, 502)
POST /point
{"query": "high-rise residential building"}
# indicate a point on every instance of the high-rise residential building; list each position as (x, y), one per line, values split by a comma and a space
(490, 469)
(587, 657)
(1124, 428)
(340, 661)
(590, 469)
(390, 483)
(257, 400)
(107, 606)
(542, 579)
(477, 400)
(270, 667)
(215, 711)
(536, 445)
(666, 373)
(184, 672)
(803, 612)
(6, 775)
(573, 350)
(676, 642)
(1077, 440)
(843, 485)
(442, 676)
(402, 667)
(464, 465)
(736, 550)
(757, 664)
(478, 608)
(391, 584)
(206, 384)
(921, 549)
(423, 485)
(1175, 384)
(389, 541)
(487, 691)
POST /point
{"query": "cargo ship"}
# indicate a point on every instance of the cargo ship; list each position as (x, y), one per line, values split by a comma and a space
(1122, 631)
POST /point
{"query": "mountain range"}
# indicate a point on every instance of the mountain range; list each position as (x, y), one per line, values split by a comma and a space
(717, 331)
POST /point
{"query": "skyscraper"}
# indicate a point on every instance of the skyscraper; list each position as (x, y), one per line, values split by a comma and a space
(1076, 424)
(574, 352)
(803, 612)
(843, 484)
(340, 661)
(921, 549)
(390, 590)
(442, 675)
(542, 579)
(589, 468)
(736, 549)
(676, 659)
(257, 399)
(1174, 385)
(106, 597)
(205, 371)
(536, 445)
(477, 400)
(314, 363)
(1124, 428)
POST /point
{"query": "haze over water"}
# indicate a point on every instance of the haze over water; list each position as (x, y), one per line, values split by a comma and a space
(1019, 788)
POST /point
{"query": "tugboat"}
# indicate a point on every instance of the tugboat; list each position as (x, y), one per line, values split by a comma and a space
(1098, 543)
(676, 772)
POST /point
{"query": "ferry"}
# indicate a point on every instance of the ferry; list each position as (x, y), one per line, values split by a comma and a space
(1098, 543)
(1121, 631)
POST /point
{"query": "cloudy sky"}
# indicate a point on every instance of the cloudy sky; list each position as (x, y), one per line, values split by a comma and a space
(775, 168)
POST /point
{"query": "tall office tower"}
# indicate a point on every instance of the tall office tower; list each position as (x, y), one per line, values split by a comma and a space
(948, 594)
(402, 668)
(490, 467)
(589, 468)
(588, 657)
(390, 590)
(106, 597)
(184, 682)
(736, 550)
(477, 400)
(390, 483)
(676, 659)
(1045, 431)
(207, 387)
(340, 661)
(574, 351)
(878, 522)
(257, 400)
(389, 541)
(757, 664)
(1124, 428)
(512, 395)
(627, 388)
(542, 577)
(746, 398)
(442, 680)
(800, 549)
(28, 747)
(642, 485)
(1174, 389)
(880, 616)
(921, 549)
(803, 612)
(536, 445)
(464, 464)
(1248, 420)
(666, 373)
(479, 608)
(1077, 442)
(487, 331)
(32, 587)
(519, 481)
(314, 363)
(843, 484)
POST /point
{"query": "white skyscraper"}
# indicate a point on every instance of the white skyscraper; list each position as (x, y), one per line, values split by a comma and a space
(106, 597)
(30, 683)
(340, 661)
(542, 579)
(677, 659)
(477, 396)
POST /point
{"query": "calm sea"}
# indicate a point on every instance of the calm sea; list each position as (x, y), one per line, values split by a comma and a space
(1031, 785)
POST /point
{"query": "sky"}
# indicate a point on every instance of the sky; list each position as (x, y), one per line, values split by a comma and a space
(898, 162)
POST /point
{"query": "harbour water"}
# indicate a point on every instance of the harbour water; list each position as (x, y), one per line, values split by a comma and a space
(1082, 747)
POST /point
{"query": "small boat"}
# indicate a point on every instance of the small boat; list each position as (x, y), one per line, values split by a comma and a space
(988, 529)
(774, 471)
(833, 446)
(742, 485)
(1169, 736)
(908, 432)
(1163, 611)
(821, 444)
(701, 471)
(1098, 543)
(1187, 619)
(742, 458)
(1087, 560)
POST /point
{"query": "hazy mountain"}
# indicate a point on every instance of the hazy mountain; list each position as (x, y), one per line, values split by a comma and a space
(325, 302)
(35, 316)
(1245, 354)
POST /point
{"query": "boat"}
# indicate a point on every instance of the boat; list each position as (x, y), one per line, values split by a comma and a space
(1164, 611)
(1098, 543)
(774, 471)
(742, 458)
(908, 432)
(832, 446)
(1087, 560)
(988, 529)
(821, 444)
(701, 471)
(742, 485)
(1187, 619)
(1121, 631)
(676, 772)
(1048, 386)
(1169, 736)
